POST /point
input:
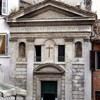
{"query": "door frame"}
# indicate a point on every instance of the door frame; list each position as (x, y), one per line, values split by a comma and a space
(48, 78)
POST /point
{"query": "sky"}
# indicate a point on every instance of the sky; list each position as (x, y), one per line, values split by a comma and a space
(96, 7)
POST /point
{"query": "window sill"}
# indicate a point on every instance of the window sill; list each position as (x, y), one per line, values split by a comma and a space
(60, 62)
(1, 16)
(4, 56)
(98, 70)
(78, 60)
(78, 63)
(38, 62)
(18, 63)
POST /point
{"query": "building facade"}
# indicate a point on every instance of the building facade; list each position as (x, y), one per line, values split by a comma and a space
(49, 51)
(94, 61)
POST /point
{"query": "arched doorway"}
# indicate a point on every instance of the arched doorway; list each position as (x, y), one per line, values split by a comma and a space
(47, 82)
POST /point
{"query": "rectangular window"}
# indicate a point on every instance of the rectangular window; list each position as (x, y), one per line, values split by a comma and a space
(4, 7)
(2, 44)
(97, 60)
(37, 53)
(0, 6)
(92, 60)
(97, 94)
(61, 53)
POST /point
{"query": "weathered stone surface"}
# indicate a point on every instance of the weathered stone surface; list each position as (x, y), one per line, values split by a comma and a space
(78, 83)
(51, 27)
(21, 74)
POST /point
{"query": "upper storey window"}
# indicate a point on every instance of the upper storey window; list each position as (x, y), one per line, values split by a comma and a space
(95, 60)
(3, 44)
(61, 53)
(38, 53)
(0, 6)
(3, 7)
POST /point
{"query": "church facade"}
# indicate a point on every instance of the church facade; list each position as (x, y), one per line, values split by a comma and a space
(49, 51)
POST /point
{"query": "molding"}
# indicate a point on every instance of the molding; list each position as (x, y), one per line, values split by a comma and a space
(40, 29)
(30, 39)
(21, 63)
(78, 63)
(69, 39)
(13, 39)
(86, 40)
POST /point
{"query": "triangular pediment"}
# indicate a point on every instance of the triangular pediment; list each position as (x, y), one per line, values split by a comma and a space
(49, 14)
(50, 9)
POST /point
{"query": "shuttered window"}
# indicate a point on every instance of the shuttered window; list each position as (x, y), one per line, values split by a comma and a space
(4, 44)
(4, 7)
(95, 60)
(0, 6)
(92, 60)
(98, 60)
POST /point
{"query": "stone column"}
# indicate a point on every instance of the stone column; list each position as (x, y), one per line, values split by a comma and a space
(87, 77)
(30, 67)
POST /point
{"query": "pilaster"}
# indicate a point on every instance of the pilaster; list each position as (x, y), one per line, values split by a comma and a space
(30, 68)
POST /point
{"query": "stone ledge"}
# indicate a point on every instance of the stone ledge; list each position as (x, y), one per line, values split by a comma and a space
(4, 56)
(30, 39)
(21, 63)
(69, 39)
(78, 63)
(13, 39)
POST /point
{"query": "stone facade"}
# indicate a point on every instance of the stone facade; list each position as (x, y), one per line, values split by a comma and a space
(21, 75)
(37, 26)
(78, 82)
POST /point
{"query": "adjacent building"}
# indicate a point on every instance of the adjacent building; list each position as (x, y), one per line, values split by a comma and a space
(45, 48)
(94, 62)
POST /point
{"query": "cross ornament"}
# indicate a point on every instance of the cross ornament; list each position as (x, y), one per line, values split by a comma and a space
(49, 48)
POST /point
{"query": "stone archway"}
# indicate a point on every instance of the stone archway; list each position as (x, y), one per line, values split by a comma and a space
(47, 74)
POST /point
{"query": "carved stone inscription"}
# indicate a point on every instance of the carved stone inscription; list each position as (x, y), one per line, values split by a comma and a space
(52, 29)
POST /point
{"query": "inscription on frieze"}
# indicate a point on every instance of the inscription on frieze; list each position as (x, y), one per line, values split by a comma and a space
(51, 29)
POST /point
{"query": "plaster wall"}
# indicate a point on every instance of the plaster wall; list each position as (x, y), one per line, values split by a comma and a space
(4, 59)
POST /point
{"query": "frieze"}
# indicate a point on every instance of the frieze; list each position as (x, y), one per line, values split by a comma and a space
(69, 39)
(51, 35)
(13, 39)
(86, 28)
(30, 39)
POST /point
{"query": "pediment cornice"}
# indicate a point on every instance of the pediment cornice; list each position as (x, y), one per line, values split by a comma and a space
(67, 10)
